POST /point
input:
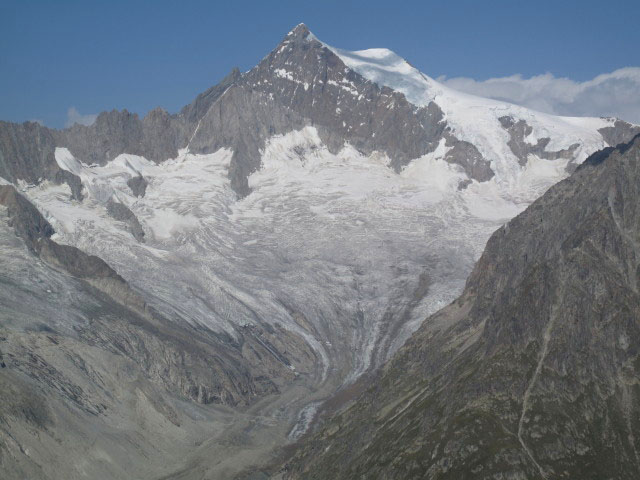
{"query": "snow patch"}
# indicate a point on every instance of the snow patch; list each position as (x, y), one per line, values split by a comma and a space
(305, 418)
(282, 73)
(67, 161)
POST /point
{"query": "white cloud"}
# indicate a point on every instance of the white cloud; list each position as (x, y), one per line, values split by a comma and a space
(74, 116)
(615, 94)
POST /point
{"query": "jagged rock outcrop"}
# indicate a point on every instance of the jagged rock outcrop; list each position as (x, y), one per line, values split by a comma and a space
(36, 232)
(27, 221)
(27, 155)
(533, 371)
(518, 133)
(138, 185)
(619, 132)
(26, 152)
(121, 212)
(157, 136)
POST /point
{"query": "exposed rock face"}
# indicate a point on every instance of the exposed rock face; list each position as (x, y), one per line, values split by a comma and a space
(122, 213)
(138, 185)
(302, 82)
(26, 152)
(24, 217)
(533, 371)
(27, 155)
(193, 112)
(620, 132)
(519, 131)
(311, 80)
(156, 137)
(468, 157)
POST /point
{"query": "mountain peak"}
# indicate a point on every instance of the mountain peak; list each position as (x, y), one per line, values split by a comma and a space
(300, 32)
(300, 28)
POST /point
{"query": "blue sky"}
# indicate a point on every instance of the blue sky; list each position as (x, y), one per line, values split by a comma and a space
(94, 56)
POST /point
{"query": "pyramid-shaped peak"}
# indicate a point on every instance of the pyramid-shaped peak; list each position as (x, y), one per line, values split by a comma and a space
(300, 29)
(300, 32)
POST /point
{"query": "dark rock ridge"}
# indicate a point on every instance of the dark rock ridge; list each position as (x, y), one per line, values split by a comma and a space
(121, 212)
(25, 219)
(300, 83)
(533, 372)
(519, 130)
(157, 137)
(468, 157)
(27, 152)
(36, 232)
(620, 132)
(138, 185)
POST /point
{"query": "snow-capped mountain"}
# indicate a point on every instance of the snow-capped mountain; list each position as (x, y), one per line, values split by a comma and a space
(315, 209)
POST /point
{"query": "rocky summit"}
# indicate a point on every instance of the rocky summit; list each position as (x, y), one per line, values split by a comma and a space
(181, 294)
